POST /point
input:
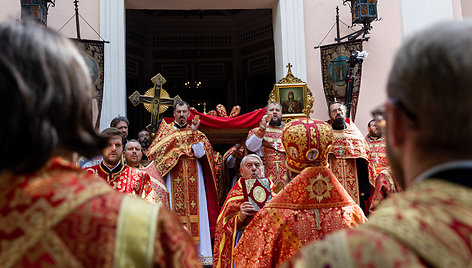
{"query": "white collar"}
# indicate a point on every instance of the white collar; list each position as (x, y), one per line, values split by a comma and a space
(441, 167)
(110, 169)
(177, 124)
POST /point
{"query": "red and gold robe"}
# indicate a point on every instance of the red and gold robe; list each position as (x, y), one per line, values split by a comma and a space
(384, 186)
(349, 145)
(228, 174)
(122, 178)
(172, 153)
(377, 154)
(155, 189)
(227, 225)
(312, 205)
(61, 216)
(428, 225)
(273, 153)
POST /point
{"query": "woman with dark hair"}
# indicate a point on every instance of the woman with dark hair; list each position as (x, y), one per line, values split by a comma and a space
(51, 212)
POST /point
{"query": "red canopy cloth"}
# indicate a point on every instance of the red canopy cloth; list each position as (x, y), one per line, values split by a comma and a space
(248, 120)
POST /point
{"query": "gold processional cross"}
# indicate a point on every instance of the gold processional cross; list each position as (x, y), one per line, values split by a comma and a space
(156, 101)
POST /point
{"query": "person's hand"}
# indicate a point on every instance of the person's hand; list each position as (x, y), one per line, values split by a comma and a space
(247, 210)
(265, 120)
(238, 153)
(195, 123)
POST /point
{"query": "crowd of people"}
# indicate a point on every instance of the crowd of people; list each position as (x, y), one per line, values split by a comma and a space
(303, 194)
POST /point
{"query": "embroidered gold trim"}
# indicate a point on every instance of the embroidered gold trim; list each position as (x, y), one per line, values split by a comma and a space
(14, 250)
(135, 233)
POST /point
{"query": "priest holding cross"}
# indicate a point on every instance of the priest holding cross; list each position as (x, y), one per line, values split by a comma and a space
(156, 100)
(182, 155)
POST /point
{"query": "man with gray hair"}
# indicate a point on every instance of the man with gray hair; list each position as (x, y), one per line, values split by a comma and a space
(430, 223)
(235, 214)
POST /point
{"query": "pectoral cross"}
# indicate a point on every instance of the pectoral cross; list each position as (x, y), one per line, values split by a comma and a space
(376, 158)
(159, 101)
(276, 144)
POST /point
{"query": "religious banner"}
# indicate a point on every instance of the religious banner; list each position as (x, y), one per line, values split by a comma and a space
(334, 69)
(92, 51)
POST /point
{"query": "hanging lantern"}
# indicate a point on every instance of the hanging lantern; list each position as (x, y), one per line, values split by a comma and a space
(36, 9)
(363, 11)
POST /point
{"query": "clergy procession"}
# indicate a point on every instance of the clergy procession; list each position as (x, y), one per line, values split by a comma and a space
(272, 185)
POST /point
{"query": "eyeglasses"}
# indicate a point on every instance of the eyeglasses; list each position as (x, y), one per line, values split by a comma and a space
(380, 115)
(405, 110)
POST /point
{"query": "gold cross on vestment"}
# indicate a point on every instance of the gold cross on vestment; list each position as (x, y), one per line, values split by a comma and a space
(156, 100)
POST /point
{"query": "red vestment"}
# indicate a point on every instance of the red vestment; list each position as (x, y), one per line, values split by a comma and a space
(349, 145)
(273, 153)
(428, 225)
(377, 154)
(229, 174)
(227, 225)
(384, 186)
(61, 216)
(122, 178)
(312, 205)
(155, 189)
(172, 153)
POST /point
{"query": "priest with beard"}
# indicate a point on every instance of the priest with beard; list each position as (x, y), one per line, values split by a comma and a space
(154, 190)
(184, 158)
(349, 157)
(378, 151)
(265, 141)
(121, 177)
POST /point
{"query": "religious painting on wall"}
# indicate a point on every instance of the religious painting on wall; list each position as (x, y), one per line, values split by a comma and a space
(92, 52)
(293, 95)
(334, 69)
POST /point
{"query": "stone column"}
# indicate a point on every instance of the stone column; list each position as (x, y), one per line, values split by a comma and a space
(112, 28)
(431, 11)
(289, 38)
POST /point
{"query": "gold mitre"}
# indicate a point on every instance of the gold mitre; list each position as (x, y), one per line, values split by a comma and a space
(307, 143)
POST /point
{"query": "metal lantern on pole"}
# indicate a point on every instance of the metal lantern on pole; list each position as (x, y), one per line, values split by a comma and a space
(363, 11)
(36, 9)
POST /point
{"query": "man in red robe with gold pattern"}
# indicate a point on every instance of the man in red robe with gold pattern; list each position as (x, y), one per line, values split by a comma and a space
(121, 177)
(309, 207)
(230, 171)
(385, 185)
(265, 141)
(378, 150)
(184, 158)
(349, 157)
(430, 223)
(235, 214)
(154, 190)
(52, 213)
